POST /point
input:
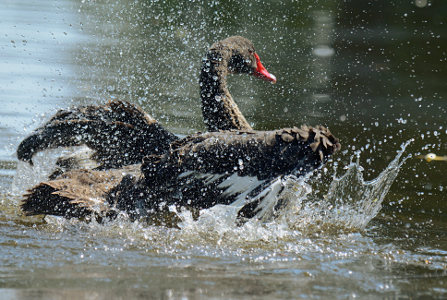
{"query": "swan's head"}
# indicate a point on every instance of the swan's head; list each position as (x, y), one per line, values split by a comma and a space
(242, 57)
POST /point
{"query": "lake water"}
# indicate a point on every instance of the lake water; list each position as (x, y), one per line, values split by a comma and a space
(374, 73)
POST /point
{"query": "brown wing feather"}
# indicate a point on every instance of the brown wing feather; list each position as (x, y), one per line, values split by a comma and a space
(76, 193)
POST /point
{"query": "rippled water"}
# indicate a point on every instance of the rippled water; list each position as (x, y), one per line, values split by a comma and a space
(374, 74)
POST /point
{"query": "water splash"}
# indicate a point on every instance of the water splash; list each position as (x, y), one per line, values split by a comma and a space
(350, 203)
(290, 210)
(295, 227)
(290, 204)
(45, 163)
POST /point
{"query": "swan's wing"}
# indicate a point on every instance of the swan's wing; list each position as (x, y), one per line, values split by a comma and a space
(76, 193)
(252, 198)
(199, 190)
(200, 171)
(119, 133)
(263, 154)
(235, 168)
(276, 196)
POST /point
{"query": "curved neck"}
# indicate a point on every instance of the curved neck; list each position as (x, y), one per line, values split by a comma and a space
(220, 112)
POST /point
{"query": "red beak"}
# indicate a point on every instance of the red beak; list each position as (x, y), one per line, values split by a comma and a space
(262, 72)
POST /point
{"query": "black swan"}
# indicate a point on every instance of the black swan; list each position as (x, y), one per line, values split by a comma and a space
(195, 172)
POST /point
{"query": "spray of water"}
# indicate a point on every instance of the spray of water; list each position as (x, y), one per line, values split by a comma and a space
(350, 203)
(290, 210)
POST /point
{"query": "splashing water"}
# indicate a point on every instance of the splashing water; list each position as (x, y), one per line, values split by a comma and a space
(350, 203)
(294, 232)
(289, 209)
(293, 228)
(353, 200)
(44, 162)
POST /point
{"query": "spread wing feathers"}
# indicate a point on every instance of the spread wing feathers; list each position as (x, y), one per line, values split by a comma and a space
(119, 132)
(264, 154)
(235, 167)
(197, 172)
(190, 190)
(266, 204)
(76, 193)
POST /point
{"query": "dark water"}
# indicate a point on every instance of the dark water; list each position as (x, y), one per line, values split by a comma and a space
(374, 72)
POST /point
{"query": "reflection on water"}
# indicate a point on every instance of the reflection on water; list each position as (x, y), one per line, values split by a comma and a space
(375, 74)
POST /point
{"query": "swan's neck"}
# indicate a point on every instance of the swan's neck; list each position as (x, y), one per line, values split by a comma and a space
(220, 112)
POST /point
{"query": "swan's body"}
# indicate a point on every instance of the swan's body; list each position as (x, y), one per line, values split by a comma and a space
(194, 172)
